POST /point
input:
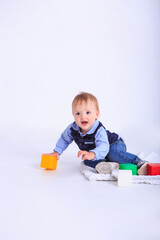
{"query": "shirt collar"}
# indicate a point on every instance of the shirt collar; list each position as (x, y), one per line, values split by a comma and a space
(92, 129)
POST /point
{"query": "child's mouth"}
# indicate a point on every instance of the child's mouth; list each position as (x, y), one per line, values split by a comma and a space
(84, 123)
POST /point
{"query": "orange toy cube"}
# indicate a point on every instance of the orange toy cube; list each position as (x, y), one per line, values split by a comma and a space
(49, 162)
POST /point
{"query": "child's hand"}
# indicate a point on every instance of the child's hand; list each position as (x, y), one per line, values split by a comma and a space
(54, 154)
(86, 155)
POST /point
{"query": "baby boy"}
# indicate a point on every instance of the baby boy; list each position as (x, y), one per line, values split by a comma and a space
(97, 145)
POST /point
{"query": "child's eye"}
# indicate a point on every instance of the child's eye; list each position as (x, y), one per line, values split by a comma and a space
(88, 112)
(77, 113)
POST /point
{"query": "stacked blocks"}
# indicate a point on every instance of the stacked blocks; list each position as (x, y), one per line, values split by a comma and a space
(124, 178)
(153, 169)
(48, 162)
(129, 166)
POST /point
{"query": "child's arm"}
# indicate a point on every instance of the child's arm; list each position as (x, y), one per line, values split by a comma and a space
(62, 143)
(102, 144)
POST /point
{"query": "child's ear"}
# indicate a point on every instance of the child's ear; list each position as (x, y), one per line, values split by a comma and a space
(97, 115)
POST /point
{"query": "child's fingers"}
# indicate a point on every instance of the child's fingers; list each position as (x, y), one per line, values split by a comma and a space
(84, 157)
(52, 155)
(80, 153)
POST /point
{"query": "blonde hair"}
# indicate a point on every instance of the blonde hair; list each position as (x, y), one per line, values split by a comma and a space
(84, 96)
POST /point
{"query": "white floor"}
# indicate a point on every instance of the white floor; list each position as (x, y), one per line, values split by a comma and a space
(62, 204)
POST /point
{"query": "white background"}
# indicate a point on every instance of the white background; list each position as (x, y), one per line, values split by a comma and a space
(52, 50)
(49, 52)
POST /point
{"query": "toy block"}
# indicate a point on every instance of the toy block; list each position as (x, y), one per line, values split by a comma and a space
(129, 166)
(48, 162)
(124, 178)
(153, 169)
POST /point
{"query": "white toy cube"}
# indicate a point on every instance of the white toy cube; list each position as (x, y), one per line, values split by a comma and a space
(124, 178)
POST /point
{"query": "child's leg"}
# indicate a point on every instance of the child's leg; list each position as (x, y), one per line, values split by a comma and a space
(117, 153)
(91, 163)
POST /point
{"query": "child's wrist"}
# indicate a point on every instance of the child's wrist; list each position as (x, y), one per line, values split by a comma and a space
(92, 154)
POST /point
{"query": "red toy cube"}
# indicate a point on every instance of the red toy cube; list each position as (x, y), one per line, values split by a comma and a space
(153, 169)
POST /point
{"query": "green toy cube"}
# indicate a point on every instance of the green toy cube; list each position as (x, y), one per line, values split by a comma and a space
(129, 166)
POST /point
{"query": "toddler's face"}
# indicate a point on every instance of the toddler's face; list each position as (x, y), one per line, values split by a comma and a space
(85, 115)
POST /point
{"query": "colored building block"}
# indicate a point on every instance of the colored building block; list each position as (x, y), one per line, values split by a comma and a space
(129, 166)
(48, 162)
(153, 169)
(124, 178)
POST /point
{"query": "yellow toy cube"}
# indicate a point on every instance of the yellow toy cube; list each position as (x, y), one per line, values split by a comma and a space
(48, 162)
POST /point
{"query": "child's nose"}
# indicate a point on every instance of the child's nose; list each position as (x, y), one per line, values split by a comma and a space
(83, 115)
